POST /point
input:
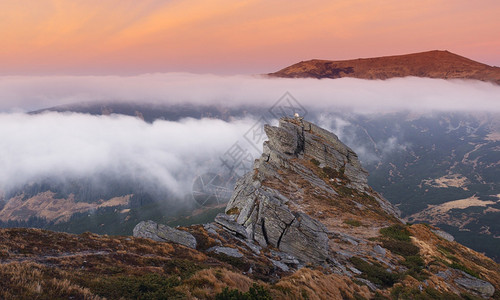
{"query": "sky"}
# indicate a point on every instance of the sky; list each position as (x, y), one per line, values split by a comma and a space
(128, 37)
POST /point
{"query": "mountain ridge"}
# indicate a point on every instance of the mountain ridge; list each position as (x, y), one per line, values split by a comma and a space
(430, 64)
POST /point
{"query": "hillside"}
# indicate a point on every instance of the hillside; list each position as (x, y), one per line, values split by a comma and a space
(431, 64)
(304, 224)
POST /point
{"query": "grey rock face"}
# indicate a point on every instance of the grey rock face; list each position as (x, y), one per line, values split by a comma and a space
(267, 219)
(444, 235)
(163, 233)
(481, 287)
(227, 251)
(263, 214)
(230, 224)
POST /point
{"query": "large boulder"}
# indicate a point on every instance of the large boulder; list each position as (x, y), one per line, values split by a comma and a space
(164, 233)
(475, 285)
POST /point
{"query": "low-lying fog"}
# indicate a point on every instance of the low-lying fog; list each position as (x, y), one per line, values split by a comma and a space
(170, 154)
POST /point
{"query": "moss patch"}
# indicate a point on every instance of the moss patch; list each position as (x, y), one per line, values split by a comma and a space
(352, 222)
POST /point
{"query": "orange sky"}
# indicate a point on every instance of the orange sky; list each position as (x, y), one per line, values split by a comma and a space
(233, 36)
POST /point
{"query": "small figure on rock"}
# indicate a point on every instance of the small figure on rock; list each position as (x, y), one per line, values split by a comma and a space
(298, 117)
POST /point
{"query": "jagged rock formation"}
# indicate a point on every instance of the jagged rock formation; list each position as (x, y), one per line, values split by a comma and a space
(271, 217)
(307, 203)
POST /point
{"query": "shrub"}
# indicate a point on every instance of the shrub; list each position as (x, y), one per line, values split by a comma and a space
(183, 267)
(374, 272)
(150, 286)
(332, 173)
(402, 248)
(415, 265)
(414, 262)
(315, 162)
(396, 232)
(256, 292)
(239, 263)
(463, 268)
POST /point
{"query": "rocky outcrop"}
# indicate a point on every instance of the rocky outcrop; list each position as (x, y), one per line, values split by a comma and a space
(481, 287)
(262, 212)
(307, 203)
(164, 233)
(469, 283)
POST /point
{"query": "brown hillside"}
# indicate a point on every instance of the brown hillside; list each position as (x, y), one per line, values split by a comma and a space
(303, 224)
(431, 64)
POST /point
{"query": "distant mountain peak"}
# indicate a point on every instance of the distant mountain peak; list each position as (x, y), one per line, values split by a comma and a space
(431, 64)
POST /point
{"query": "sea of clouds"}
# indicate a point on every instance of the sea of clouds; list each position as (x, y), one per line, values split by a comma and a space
(170, 154)
(21, 93)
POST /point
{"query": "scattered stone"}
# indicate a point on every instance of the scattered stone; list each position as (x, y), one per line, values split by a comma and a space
(346, 254)
(443, 234)
(226, 250)
(164, 233)
(285, 257)
(354, 270)
(280, 265)
(211, 228)
(368, 283)
(378, 249)
(255, 248)
(228, 221)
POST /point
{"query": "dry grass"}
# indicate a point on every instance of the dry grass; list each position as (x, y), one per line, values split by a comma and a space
(32, 280)
(436, 250)
(36, 262)
(313, 284)
(206, 283)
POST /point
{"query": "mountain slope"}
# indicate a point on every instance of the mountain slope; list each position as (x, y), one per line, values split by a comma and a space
(303, 224)
(431, 64)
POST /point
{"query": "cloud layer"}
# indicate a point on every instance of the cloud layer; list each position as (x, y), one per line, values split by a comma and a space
(162, 154)
(20, 93)
(169, 155)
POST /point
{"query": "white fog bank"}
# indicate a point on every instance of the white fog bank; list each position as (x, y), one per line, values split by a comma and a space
(165, 154)
(24, 93)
